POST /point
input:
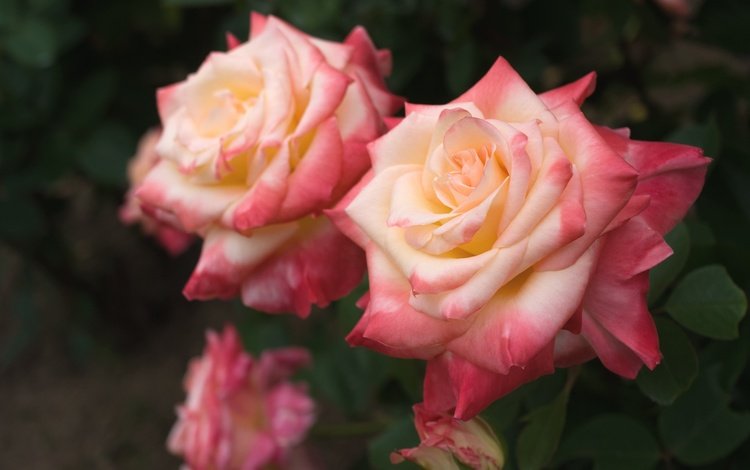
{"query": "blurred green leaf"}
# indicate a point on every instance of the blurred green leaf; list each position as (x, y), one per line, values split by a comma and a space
(544, 389)
(667, 271)
(23, 220)
(9, 13)
(678, 367)
(613, 442)
(196, 3)
(82, 343)
(699, 427)
(538, 441)
(89, 100)
(315, 18)
(104, 156)
(460, 66)
(348, 377)
(731, 357)
(408, 373)
(705, 136)
(32, 42)
(399, 435)
(708, 302)
(502, 413)
(259, 336)
(26, 319)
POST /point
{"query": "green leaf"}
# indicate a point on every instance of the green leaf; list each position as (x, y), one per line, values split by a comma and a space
(678, 367)
(104, 156)
(707, 302)
(613, 442)
(664, 273)
(502, 413)
(348, 377)
(32, 42)
(538, 441)
(399, 435)
(730, 357)
(699, 427)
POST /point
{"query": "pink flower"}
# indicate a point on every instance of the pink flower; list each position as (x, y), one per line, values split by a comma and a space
(256, 144)
(506, 234)
(175, 241)
(445, 439)
(241, 413)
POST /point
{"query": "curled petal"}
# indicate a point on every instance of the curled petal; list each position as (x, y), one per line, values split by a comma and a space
(302, 274)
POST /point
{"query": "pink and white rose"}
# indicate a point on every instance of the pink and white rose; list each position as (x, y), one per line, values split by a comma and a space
(241, 413)
(506, 234)
(445, 440)
(175, 241)
(256, 144)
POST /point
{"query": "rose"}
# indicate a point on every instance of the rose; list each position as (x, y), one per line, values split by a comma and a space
(241, 413)
(506, 234)
(172, 239)
(256, 144)
(445, 439)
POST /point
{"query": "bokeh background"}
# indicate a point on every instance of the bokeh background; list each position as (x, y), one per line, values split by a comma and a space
(94, 333)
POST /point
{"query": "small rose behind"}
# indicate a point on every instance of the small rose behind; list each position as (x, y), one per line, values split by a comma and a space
(241, 413)
(506, 235)
(445, 439)
(256, 144)
(174, 240)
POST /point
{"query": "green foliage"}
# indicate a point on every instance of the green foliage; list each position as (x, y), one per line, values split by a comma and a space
(662, 275)
(700, 427)
(399, 435)
(538, 441)
(613, 441)
(678, 367)
(708, 302)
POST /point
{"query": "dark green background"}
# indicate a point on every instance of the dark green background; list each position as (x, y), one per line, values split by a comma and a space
(94, 335)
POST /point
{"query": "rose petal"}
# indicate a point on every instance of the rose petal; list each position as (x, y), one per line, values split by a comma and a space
(389, 320)
(503, 95)
(607, 183)
(453, 383)
(311, 184)
(524, 317)
(671, 175)
(194, 207)
(228, 258)
(616, 298)
(576, 92)
(303, 274)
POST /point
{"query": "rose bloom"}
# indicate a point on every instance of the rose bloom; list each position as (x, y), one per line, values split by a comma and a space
(175, 241)
(445, 439)
(505, 234)
(256, 144)
(241, 413)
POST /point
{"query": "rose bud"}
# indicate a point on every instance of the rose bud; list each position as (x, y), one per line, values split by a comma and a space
(445, 439)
